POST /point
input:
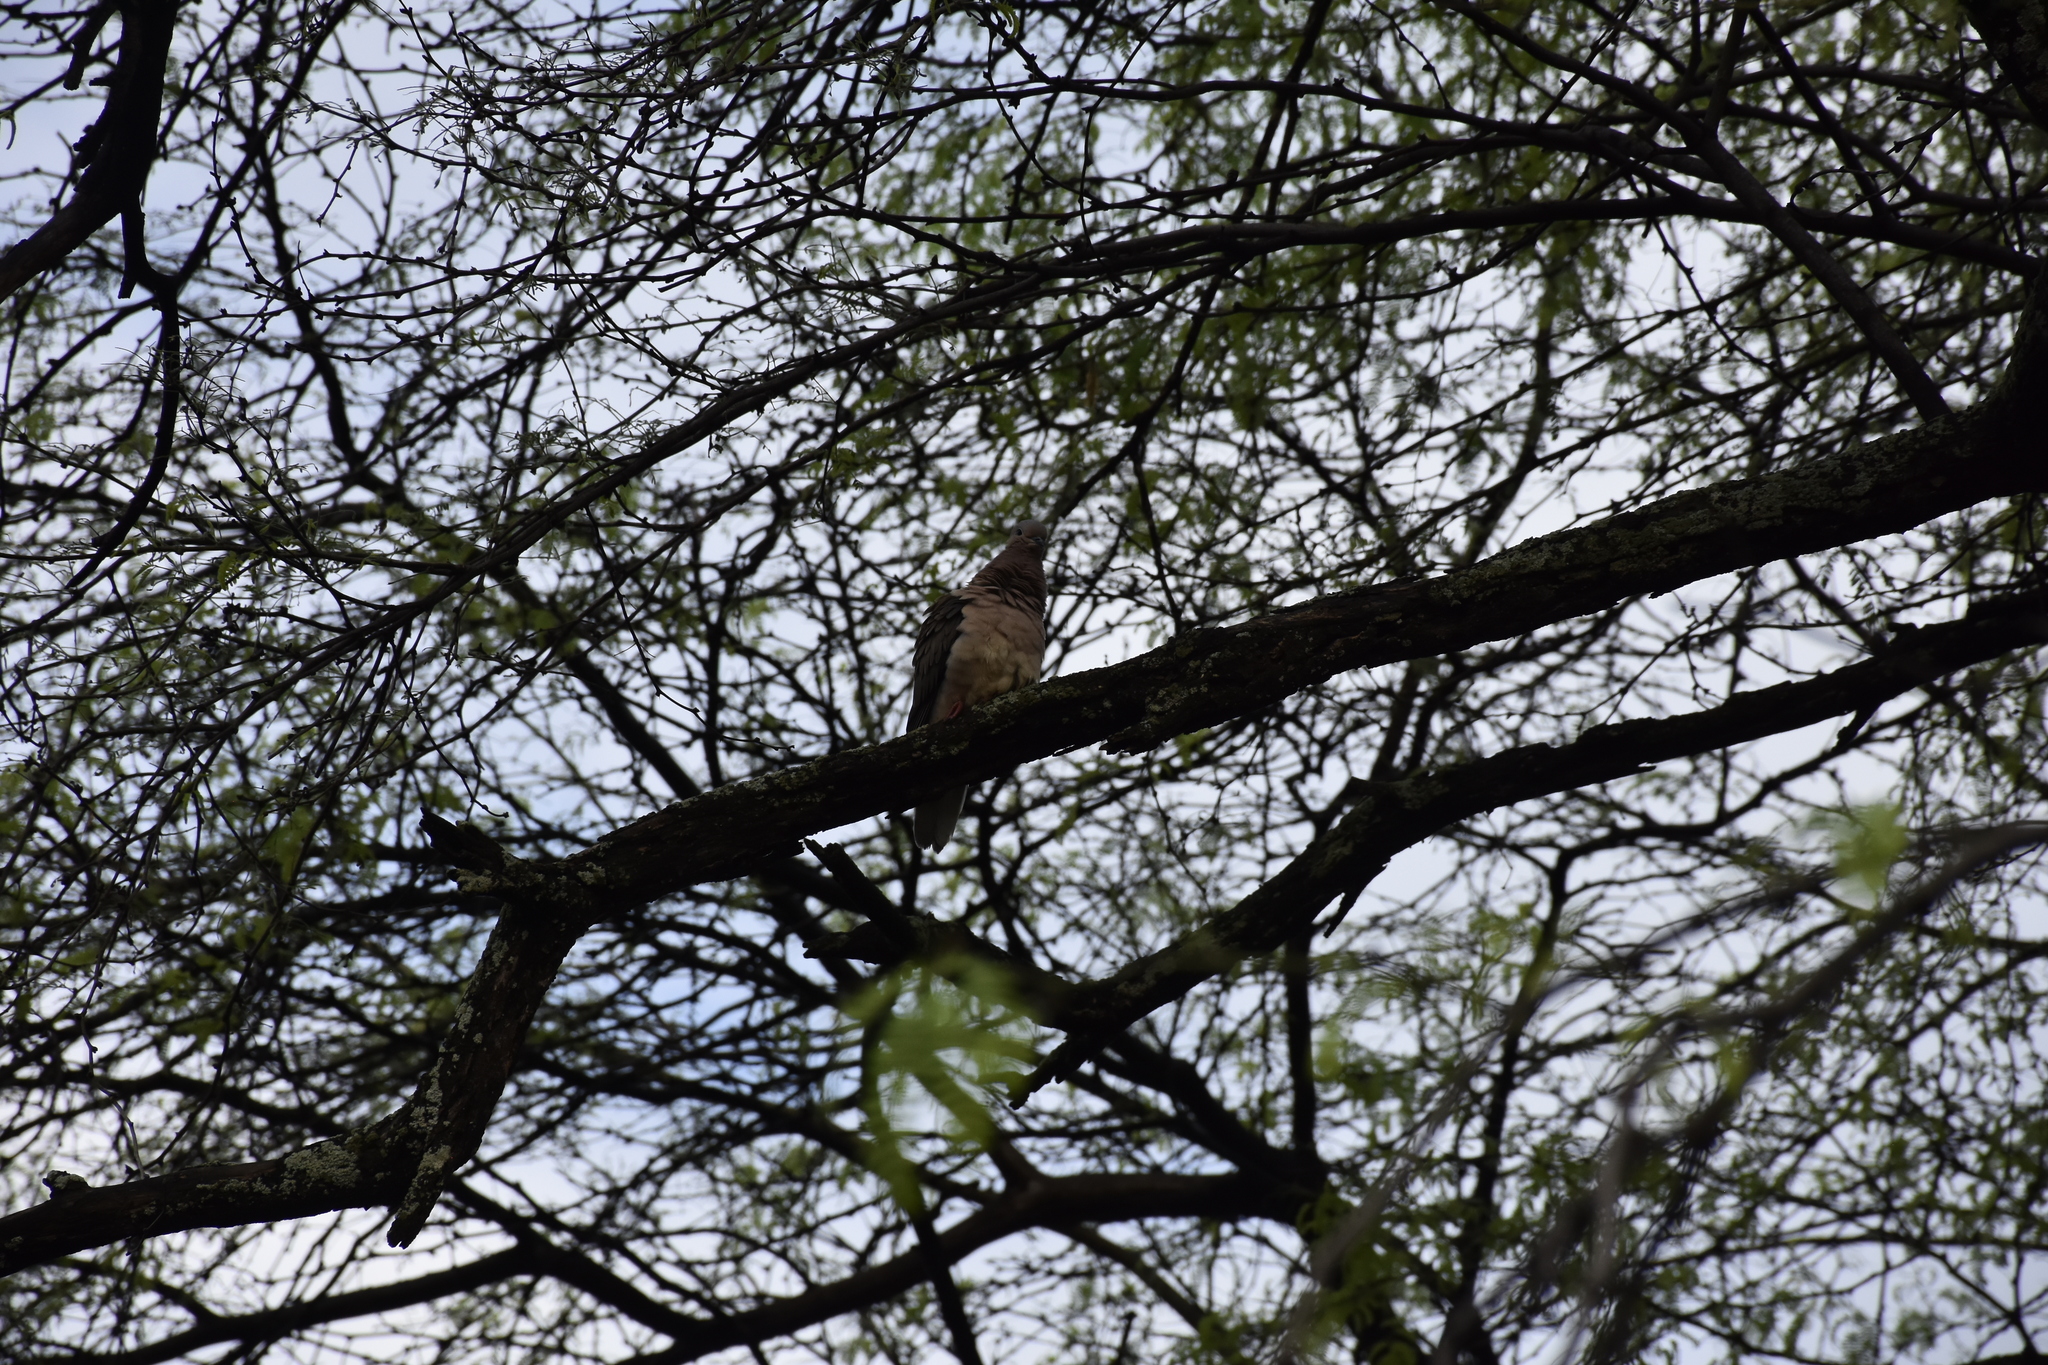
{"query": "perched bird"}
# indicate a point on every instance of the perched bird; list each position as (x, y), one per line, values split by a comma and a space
(978, 642)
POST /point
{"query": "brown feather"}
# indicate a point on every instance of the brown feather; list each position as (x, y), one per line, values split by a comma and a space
(978, 642)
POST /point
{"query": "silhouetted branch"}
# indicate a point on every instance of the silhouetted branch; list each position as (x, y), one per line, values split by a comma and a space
(116, 152)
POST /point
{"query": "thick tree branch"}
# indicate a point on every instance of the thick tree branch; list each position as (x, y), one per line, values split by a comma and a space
(117, 150)
(361, 1170)
(1184, 247)
(2016, 31)
(447, 1115)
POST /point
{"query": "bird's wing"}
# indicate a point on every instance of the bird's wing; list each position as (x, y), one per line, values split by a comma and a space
(934, 648)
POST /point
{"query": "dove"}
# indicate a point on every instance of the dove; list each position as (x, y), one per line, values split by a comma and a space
(978, 642)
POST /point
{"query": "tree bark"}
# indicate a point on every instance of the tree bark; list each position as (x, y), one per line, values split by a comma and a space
(2016, 31)
(119, 148)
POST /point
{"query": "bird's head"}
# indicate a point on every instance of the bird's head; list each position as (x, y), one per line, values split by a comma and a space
(1030, 535)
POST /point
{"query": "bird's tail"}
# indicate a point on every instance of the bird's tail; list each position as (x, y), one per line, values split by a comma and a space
(935, 819)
